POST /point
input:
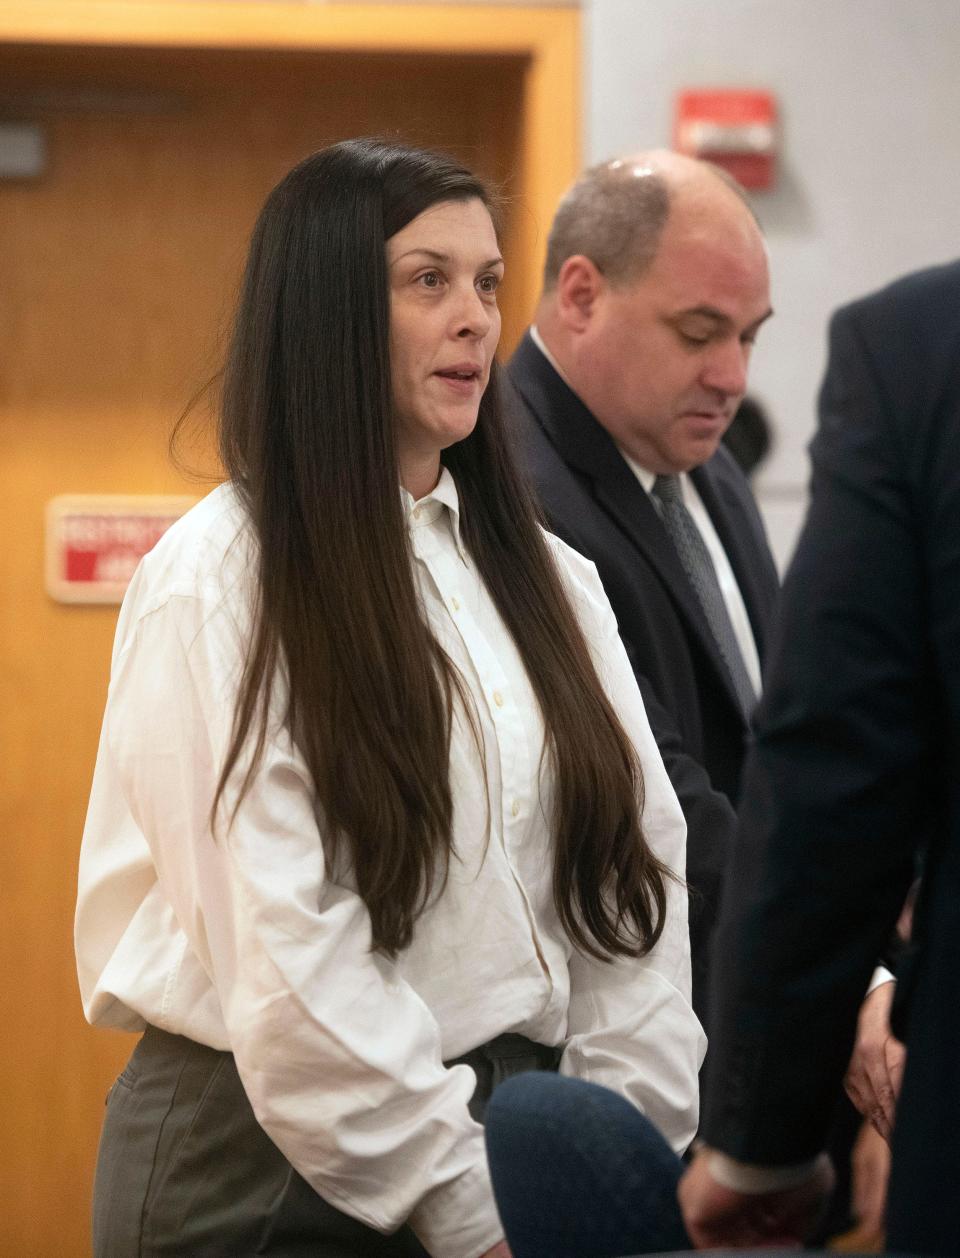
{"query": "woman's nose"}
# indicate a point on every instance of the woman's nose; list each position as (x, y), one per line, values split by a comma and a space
(474, 316)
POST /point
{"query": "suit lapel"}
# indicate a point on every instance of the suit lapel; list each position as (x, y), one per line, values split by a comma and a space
(586, 446)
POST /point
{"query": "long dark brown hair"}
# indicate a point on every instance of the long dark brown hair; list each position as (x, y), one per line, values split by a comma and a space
(308, 435)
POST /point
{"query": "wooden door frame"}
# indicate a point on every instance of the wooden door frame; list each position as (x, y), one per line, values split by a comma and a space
(547, 38)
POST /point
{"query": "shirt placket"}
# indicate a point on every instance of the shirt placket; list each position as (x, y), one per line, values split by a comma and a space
(457, 586)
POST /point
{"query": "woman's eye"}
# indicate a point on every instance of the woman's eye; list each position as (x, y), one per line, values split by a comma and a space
(488, 284)
(430, 279)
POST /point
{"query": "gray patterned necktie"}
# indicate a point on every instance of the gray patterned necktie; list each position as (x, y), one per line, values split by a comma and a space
(698, 566)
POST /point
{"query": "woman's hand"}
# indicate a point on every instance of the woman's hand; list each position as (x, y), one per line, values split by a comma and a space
(500, 1250)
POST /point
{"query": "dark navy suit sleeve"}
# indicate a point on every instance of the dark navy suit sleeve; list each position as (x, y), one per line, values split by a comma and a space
(711, 830)
(834, 794)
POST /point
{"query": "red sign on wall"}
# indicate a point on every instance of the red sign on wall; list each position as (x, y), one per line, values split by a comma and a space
(731, 127)
(95, 541)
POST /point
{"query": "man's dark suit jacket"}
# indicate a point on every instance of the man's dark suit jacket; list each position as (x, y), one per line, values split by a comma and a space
(856, 772)
(593, 500)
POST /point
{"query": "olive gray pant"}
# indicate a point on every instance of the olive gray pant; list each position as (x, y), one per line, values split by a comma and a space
(185, 1169)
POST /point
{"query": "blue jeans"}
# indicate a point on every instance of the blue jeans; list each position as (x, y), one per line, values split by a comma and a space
(579, 1173)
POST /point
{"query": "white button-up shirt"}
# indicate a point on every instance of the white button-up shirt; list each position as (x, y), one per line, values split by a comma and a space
(251, 941)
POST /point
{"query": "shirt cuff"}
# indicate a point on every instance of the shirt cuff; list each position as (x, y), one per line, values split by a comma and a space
(745, 1177)
(881, 975)
(459, 1219)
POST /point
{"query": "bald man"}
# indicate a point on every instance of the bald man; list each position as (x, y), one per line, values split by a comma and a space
(656, 285)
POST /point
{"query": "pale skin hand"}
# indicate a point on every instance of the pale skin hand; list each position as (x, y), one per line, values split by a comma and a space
(721, 1218)
(876, 1067)
(500, 1250)
(871, 1172)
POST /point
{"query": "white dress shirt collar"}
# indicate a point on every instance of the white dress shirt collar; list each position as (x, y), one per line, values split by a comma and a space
(541, 346)
(421, 512)
(645, 477)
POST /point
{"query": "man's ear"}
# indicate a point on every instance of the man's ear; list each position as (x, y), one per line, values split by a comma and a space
(579, 285)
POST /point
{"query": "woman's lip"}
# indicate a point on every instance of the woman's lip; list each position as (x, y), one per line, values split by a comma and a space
(465, 385)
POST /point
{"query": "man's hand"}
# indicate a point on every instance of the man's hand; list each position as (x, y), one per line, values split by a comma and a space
(876, 1066)
(500, 1250)
(870, 1164)
(717, 1217)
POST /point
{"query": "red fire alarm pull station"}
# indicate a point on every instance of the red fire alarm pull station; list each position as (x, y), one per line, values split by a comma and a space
(734, 129)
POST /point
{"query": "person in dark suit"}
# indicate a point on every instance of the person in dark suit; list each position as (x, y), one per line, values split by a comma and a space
(656, 284)
(854, 779)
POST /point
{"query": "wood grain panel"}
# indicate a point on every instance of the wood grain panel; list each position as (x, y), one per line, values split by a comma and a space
(117, 275)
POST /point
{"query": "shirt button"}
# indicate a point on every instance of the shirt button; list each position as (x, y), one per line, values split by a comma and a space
(455, 604)
(498, 698)
(416, 513)
(515, 808)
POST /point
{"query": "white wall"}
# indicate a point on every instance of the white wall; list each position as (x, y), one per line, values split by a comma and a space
(869, 184)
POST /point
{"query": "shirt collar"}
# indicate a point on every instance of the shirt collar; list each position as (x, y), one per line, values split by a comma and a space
(426, 511)
(645, 478)
(541, 346)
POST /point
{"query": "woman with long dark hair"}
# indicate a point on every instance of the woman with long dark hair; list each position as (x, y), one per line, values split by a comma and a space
(367, 807)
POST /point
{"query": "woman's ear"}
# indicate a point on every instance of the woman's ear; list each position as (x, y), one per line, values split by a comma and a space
(579, 285)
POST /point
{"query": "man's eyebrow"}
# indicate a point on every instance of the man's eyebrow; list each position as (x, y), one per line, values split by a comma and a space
(717, 316)
(702, 312)
(755, 326)
(442, 258)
